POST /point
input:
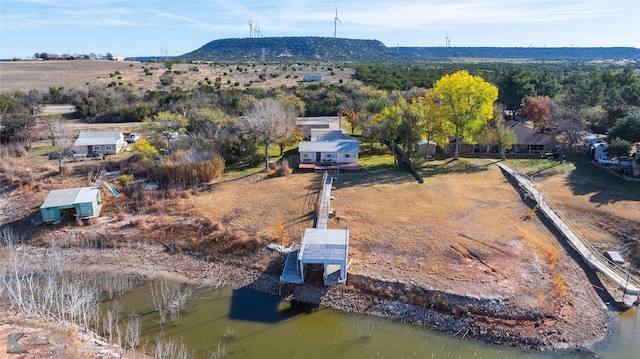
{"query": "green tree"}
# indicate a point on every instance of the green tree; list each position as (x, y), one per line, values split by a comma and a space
(501, 135)
(160, 127)
(618, 148)
(584, 91)
(467, 103)
(432, 123)
(17, 116)
(515, 84)
(409, 127)
(627, 128)
(546, 84)
(387, 123)
(145, 149)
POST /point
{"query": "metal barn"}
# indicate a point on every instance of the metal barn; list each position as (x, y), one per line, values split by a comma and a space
(82, 202)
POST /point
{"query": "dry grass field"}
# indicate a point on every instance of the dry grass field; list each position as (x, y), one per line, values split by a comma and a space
(466, 230)
(40, 75)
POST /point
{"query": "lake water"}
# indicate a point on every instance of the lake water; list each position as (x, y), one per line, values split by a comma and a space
(266, 327)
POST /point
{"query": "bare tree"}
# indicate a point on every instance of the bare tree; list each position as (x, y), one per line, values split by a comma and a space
(61, 137)
(270, 121)
(571, 126)
(173, 299)
(132, 336)
(170, 348)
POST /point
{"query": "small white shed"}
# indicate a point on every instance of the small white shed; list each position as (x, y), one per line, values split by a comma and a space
(426, 148)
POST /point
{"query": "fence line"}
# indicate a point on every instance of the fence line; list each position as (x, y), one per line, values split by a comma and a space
(589, 253)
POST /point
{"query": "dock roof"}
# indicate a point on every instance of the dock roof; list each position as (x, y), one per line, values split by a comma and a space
(324, 245)
(69, 196)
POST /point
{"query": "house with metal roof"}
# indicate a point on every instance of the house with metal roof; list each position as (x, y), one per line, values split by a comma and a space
(93, 143)
(84, 203)
(329, 152)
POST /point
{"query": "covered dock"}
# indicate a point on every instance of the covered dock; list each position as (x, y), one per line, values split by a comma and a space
(326, 247)
(320, 246)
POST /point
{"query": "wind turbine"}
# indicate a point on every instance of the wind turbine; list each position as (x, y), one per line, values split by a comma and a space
(257, 30)
(250, 27)
(335, 23)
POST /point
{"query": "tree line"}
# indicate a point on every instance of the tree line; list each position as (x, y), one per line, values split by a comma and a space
(389, 103)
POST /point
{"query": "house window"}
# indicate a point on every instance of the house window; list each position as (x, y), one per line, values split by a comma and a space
(96, 148)
(305, 155)
(108, 148)
(330, 155)
(347, 155)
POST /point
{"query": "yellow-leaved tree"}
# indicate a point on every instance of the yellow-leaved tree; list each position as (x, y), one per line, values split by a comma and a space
(432, 124)
(467, 104)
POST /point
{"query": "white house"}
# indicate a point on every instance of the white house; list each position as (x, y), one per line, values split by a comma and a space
(329, 152)
(312, 78)
(99, 142)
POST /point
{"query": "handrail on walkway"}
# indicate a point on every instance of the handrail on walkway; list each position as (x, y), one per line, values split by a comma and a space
(591, 256)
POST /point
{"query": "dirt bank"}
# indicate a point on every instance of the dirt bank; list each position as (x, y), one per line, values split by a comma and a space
(491, 319)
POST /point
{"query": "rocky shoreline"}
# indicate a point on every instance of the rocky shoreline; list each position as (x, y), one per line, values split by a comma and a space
(492, 320)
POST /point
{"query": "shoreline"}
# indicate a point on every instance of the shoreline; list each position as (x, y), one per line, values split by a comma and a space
(491, 320)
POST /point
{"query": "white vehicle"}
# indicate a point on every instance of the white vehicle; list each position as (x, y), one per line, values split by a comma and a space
(605, 161)
(623, 162)
(133, 137)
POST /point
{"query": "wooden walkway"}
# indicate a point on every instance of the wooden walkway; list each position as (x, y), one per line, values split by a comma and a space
(590, 255)
(325, 202)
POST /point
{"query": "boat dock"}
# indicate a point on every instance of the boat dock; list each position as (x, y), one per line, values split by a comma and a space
(320, 246)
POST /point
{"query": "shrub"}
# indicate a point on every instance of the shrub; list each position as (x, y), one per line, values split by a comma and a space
(125, 180)
(282, 169)
(189, 174)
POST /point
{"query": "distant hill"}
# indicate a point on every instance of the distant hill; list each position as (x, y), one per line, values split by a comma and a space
(291, 48)
(297, 49)
(527, 53)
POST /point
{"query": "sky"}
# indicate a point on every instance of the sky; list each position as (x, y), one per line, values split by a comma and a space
(173, 27)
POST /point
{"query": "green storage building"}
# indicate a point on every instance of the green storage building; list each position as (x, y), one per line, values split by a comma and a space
(82, 203)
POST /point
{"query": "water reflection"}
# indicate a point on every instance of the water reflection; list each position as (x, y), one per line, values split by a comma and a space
(257, 325)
